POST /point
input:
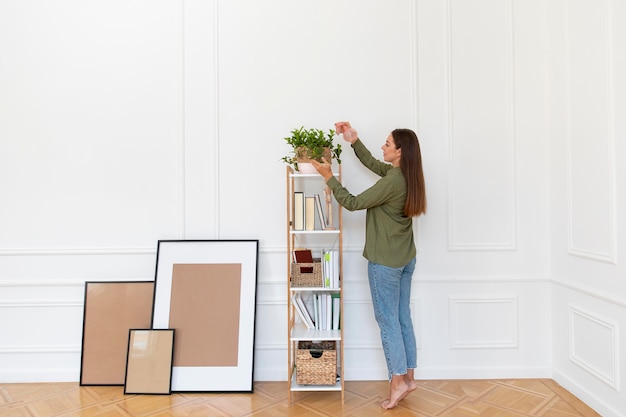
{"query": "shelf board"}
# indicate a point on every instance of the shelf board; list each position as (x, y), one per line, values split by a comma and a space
(314, 289)
(315, 232)
(297, 387)
(315, 175)
(301, 332)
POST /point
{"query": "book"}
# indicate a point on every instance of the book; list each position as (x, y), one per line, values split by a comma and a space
(326, 265)
(330, 268)
(316, 312)
(329, 311)
(306, 307)
(309, 213)
(296, 308)
(308, 319)
(335, 269)
(301, 311)
(298, 210)
(336, 310)
(320, 212)
(321, 303)
(304, 256)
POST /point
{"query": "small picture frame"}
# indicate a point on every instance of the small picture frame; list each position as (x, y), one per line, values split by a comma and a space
(149, 362)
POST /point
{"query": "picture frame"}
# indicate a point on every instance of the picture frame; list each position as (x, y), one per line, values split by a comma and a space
(149, 362)
(110, 309)
(206, 290)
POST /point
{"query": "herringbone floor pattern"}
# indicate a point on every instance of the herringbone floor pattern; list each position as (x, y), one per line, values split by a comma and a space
(491, 398)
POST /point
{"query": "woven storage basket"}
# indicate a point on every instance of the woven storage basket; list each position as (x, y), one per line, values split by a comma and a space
(316, 363)
(306, 279)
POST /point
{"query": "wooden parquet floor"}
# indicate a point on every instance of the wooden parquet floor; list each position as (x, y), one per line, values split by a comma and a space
(456, 398)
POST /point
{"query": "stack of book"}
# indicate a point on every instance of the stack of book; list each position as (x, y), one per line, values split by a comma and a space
(321, 311)
(306, 209)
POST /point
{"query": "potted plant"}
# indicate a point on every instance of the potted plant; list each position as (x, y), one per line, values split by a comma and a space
(311, 144)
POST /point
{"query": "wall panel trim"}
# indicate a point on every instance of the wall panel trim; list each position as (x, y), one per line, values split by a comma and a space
(592, 292)
(78, 251)
(511, 243)
(612, 378)
(497, 343)
(573, 249)
(36, 350)
(40, 304)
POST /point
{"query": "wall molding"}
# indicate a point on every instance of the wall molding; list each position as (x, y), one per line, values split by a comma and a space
(47, 283)
(612, 379)
(41, 303)
(40, 349)
(216, 106)
(414, 62)
(279, 280)
(482, 373)
(496, 343)
(107, 251)
(421, 373)
(86, 251)
(180, 134)
(586, 395)
(592, 292)
(573, 249)
(200, 118)
(511, 243)
(482, 279)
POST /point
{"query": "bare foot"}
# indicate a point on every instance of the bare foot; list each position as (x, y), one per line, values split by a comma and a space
(397, 391)
(412, 386)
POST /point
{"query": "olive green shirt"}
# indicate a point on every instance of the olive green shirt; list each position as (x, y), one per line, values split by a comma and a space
(388, 232)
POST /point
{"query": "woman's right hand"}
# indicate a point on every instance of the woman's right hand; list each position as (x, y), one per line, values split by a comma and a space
(323, 168)
(349, 134)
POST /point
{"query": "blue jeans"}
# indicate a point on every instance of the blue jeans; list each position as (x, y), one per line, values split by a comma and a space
(391, 297)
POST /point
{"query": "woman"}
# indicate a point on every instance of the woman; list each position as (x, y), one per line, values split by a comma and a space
(391, 203)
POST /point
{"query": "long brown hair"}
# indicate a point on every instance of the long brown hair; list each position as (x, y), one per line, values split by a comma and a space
(411, 166)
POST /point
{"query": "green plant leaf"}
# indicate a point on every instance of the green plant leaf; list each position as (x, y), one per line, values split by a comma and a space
(315, 141)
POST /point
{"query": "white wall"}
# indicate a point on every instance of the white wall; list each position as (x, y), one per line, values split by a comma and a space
(128, 122)
(587, 130)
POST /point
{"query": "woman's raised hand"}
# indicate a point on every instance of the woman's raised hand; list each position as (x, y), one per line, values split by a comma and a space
(349, 134)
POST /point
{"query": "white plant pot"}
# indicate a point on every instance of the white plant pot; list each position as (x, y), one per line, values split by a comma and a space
(306, 168)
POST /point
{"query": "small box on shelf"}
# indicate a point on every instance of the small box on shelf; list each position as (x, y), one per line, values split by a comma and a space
(316, 363)
(307, 279)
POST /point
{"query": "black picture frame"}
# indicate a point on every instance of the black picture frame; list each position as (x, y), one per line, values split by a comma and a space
(149, 361)
(206, 289)
(111, 309)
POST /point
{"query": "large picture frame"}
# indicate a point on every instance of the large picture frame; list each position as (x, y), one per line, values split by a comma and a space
(206, 290)
(111, 309)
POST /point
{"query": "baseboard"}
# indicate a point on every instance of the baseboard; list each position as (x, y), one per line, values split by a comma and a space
(424, 374)
(482, 373)
(585, 396)
(62, 375)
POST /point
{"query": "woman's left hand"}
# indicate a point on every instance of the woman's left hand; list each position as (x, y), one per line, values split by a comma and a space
(324, 168)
